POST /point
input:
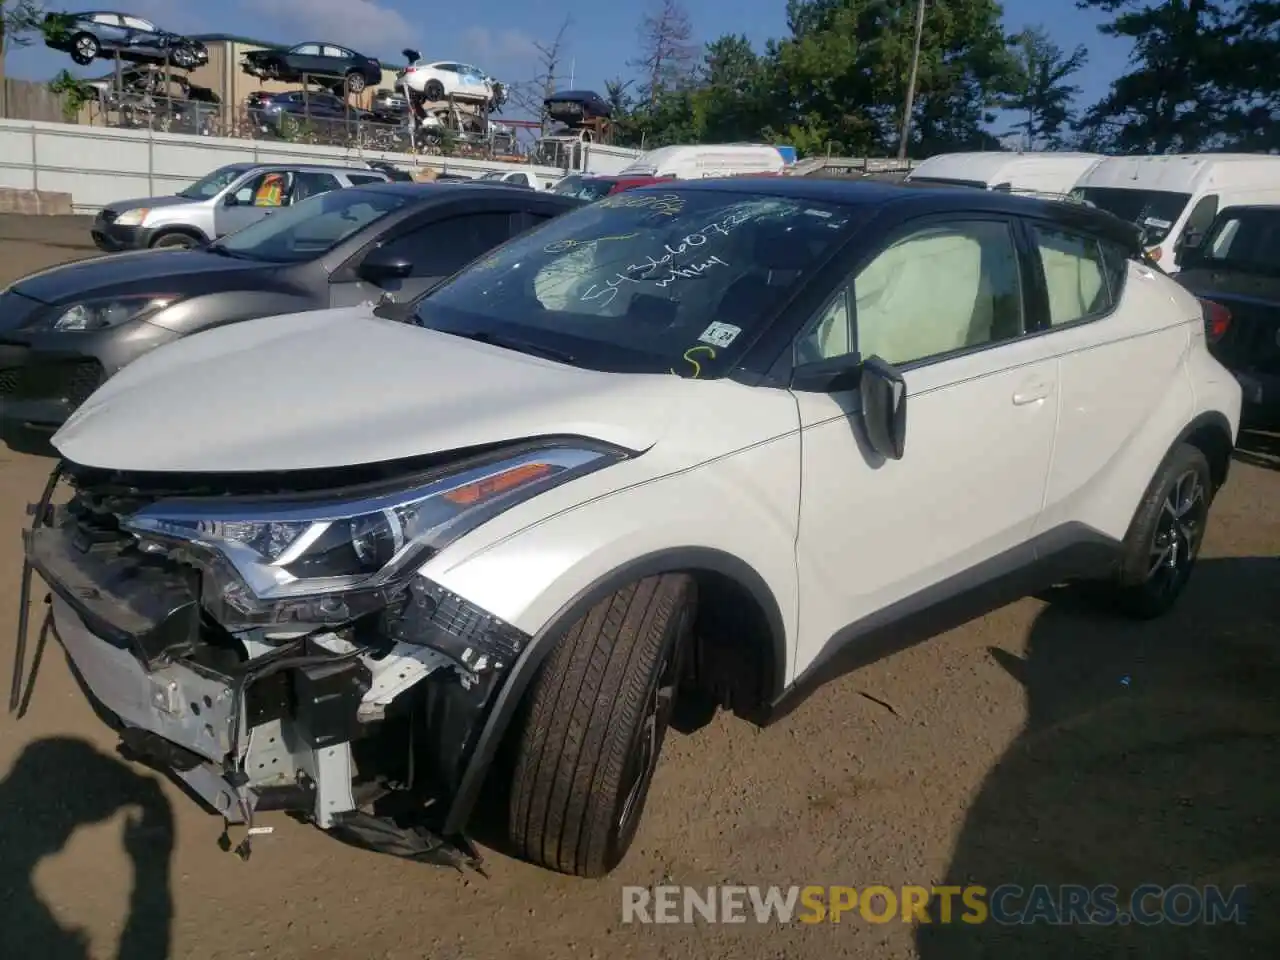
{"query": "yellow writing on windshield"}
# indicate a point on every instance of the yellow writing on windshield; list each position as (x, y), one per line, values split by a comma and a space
(560, 246)
(697, 367)
(668, 204)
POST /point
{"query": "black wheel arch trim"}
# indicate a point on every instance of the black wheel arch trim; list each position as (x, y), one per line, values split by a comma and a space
(178, 228)
(1217, 420)
(535, 653)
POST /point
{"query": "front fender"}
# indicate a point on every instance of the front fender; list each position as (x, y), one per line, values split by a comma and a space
(721, 517)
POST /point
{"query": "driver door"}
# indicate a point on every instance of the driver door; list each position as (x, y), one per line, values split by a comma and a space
(944, 301)
(253, 198)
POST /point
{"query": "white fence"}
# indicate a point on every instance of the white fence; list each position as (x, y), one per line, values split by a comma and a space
(99, 165)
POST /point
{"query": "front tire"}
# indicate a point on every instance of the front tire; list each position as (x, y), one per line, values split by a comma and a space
(356, 82)
(1164, 539)
(174, 241)
(598, 715)
(85, 48)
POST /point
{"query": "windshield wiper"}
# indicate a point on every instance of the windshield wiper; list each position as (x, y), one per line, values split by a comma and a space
(520, 346)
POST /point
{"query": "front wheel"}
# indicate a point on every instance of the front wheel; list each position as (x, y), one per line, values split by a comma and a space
(1163, 541)
(85, 48)
(598, 715)
(355, 82)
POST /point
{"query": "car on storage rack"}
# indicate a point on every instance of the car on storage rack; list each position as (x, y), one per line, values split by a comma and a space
(66, 330)
(437, 80)
(1235, 267)
(286, 114)
(105, 33)
(698, 444)
(221, 202)
(314, 59)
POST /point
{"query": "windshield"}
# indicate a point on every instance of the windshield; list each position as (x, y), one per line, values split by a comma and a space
(214, 183)
(650, 281)
(311, 228)
(1246, 239)
(585, 188)
(1155, 211)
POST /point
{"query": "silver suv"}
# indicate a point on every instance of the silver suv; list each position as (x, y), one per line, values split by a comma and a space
(228, 199)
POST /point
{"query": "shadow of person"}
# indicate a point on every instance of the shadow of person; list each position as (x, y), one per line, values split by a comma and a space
(55, 786)
(1151, 754)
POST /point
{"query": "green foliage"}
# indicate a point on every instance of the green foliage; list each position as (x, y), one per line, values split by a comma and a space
(1204, 75)
(1042, 94)
(73, 93)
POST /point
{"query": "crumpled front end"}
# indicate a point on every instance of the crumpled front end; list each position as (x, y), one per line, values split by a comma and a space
(234, 636)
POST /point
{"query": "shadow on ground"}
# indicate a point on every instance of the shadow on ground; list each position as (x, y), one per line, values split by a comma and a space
(55, 786)
(1151, 755)
(1261, 448)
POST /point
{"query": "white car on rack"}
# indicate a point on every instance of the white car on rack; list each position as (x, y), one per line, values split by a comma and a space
(440, 79)
(692, 445)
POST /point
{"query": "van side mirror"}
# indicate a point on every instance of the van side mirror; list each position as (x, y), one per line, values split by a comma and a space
(884, 407)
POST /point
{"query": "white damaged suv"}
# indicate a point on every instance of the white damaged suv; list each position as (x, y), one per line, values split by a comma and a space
(690, 446)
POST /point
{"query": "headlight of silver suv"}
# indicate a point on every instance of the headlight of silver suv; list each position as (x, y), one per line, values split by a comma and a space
(107, 312)
(330, 559)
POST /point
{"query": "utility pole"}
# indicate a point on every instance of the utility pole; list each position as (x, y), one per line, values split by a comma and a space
(911, 84)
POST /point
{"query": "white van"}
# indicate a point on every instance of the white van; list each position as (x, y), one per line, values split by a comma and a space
(716, 160)
(1052, 173)
(1175, 198)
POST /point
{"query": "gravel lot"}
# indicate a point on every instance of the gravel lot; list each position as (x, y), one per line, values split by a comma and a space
(1040, 744)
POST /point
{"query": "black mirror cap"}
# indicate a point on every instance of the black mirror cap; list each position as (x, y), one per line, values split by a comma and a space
(884, 407)
(379, 267)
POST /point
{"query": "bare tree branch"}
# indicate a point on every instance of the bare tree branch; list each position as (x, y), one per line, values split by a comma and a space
(668, 55)
(530, 95)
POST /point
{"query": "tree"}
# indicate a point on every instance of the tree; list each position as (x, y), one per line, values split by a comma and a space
(842, 75)
(531, 95)
(731, 100)
(1042, 95)
(668, 55)
(1185, 88)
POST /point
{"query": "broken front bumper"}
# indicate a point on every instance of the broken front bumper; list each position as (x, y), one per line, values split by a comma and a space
(249, 725)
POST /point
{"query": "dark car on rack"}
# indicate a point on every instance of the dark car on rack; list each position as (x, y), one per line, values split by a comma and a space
(286, 114)
(1234, 267)
(65, 330)
(105, 33)
(315, 59)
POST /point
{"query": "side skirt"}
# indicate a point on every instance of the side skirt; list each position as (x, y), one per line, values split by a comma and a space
(1066, 553)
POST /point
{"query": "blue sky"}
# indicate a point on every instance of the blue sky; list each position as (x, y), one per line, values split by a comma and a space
(499, 35)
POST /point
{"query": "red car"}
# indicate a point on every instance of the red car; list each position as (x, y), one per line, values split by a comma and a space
(595, 187)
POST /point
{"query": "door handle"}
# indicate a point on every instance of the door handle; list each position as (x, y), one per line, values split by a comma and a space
(1032, 392)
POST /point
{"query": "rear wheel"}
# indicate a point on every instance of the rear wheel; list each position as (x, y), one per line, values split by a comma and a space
(85, 48)
(434, 90)
(598, 715)
(1163, 541)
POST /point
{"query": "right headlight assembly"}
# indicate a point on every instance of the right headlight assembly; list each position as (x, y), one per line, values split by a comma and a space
(329, 559)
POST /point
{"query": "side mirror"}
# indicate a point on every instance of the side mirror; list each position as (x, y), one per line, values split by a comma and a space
(380, 265)
(884, 407)
(1188, 252)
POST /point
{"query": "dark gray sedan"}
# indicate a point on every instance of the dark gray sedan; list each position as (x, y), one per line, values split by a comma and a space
(63, 331)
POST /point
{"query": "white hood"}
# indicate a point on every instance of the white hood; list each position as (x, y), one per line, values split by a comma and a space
(339, 387)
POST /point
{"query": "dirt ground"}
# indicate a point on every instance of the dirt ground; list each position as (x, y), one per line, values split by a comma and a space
(1040, 744)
